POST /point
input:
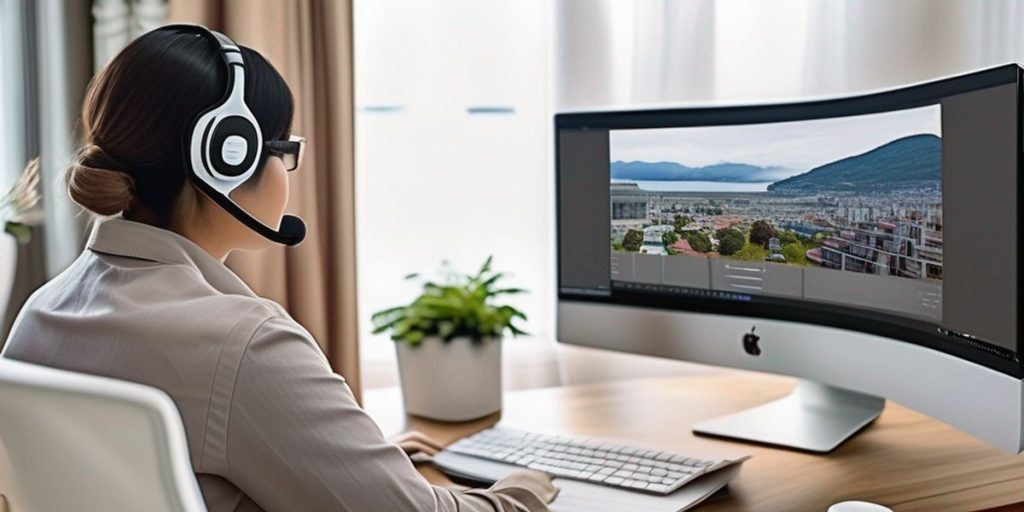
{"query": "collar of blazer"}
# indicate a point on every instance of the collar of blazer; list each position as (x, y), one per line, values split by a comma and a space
(120, 237)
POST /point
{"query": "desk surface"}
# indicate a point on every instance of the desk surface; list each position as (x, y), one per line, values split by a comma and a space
(905, 460)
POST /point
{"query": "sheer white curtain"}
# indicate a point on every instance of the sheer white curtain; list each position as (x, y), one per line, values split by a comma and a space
(856, 45)
(12, 92)
(117, 22)
(453, 144)
(63, 67)
(46, 63)
(611, 53)
(12, 134)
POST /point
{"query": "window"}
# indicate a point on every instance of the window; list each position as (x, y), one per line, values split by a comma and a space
(453, 161)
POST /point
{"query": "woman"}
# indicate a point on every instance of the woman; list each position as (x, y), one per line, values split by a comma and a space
(269, 426)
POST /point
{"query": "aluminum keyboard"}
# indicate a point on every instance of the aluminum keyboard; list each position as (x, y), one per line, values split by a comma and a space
(599, 462)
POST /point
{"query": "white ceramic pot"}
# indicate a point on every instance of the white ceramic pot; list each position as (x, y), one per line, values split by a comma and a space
(456, 380)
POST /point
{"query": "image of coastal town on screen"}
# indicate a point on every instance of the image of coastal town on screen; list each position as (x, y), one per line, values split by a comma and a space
(844, 210)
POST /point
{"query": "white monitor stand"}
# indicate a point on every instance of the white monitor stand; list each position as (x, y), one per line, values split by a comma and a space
(814, 417)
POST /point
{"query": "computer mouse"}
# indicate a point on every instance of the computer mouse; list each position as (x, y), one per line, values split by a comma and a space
(858, 506)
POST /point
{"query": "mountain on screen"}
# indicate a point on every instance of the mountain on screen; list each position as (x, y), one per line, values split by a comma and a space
(906, 163)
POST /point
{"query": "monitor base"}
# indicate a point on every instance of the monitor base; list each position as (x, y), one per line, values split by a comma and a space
(814, 417)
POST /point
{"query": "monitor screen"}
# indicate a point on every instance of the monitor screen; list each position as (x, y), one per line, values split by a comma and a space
(893, 213)
(845, 210)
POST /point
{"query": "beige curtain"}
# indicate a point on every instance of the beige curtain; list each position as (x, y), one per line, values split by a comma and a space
(310, 43)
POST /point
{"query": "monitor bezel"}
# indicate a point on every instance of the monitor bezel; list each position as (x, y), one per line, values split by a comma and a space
(893, 326)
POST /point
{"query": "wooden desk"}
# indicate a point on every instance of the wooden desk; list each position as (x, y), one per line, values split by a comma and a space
(904, 460)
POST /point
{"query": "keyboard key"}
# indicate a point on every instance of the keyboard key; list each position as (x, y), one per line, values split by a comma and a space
(657, 488)
(613, 480)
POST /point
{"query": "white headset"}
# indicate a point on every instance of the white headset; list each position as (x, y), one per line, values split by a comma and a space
(223, 144)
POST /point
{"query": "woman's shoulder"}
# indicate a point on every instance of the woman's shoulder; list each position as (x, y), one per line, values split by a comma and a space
(240, 317)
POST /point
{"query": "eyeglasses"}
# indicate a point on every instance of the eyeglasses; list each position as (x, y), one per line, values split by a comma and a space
(289, 151)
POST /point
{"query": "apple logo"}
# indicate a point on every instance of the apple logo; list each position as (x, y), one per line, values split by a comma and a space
(750, 343)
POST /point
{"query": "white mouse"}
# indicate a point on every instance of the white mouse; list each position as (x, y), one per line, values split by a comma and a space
(858, 506)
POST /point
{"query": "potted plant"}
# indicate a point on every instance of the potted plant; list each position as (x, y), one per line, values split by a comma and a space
(448, 342)
(18, 212)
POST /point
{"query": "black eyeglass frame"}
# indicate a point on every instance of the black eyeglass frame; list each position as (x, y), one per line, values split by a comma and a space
(294, 147)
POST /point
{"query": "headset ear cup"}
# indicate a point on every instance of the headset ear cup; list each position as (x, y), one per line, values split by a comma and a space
(233, 146)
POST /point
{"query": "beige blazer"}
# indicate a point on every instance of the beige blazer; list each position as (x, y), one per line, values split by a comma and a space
(269, 425)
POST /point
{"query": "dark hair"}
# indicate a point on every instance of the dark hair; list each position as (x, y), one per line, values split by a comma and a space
(135, 113)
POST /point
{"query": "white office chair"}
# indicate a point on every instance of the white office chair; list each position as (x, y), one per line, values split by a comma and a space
(92, 444)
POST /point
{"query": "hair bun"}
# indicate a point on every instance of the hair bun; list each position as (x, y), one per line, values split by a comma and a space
(98, 182)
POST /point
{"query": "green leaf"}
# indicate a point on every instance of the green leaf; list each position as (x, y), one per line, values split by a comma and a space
(508, 291)
(386, 312)
(515, 331)
(20, 232)
(486, 267)
(513, 312)
(486, 284)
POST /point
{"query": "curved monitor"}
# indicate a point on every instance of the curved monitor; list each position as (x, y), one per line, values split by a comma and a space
(868, 242)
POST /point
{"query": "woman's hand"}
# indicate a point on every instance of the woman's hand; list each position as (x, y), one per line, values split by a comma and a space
(417, 445)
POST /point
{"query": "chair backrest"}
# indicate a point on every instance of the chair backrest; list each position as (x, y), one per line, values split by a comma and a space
(86, 443)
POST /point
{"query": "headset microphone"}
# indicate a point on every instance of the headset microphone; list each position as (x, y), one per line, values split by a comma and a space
(223, 143)
(291, 231)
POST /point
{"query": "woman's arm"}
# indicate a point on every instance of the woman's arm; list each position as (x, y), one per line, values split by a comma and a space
(297, 440)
